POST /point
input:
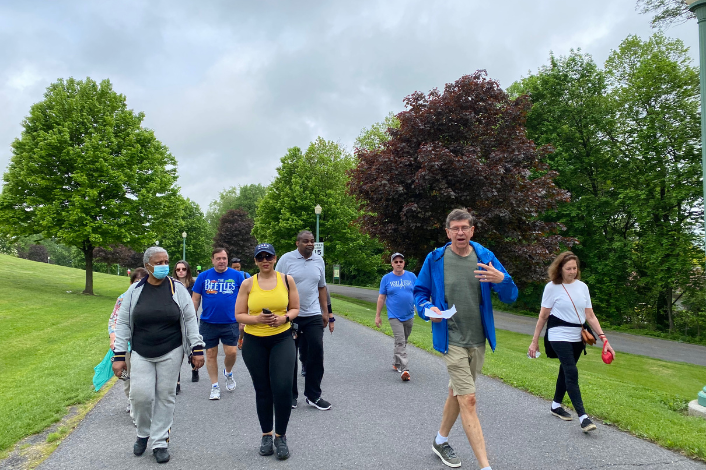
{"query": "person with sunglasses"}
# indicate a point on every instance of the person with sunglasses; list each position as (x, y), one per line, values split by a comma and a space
(397, 294)
(266, 305)
(307, 269)
(462, 273)
(182, 273)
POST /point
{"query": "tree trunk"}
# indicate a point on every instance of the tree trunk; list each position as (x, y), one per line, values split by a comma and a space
(669, 310)
(88, 253)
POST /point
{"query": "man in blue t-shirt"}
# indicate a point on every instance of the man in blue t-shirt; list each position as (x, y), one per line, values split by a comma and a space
(216, 291)
(397, 294)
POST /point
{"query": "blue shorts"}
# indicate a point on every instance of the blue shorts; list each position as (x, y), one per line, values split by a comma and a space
(227, 333)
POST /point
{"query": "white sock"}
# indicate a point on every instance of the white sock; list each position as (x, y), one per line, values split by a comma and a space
(227, 373)
(555, 405)
(215, 385)
(486, 468)
(440, 439)
(582, 417)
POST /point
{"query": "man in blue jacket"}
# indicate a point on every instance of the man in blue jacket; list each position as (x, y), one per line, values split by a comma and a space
(461, 274)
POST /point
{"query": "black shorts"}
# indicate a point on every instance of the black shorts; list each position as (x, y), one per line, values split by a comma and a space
(227, 333)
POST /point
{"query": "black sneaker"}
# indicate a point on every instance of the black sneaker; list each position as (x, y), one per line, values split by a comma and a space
(266, 445)
(446, 453)
(319, 403)
(161, 454)
(587, 425)
(562, 414)
(294, 403)
(194, 376)
(140, 446)
(281, 446)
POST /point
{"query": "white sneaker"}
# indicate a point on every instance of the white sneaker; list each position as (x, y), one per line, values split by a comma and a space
(215, 393)
(230, 381)
(128, 408)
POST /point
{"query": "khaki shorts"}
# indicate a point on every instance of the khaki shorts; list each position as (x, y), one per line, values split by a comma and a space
(464, 364)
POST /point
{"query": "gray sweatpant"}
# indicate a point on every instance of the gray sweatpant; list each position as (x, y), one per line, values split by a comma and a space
(153, 394)
(401, 330)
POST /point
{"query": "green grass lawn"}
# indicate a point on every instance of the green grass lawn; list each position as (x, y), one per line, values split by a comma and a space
(647, 397)
(51, 337)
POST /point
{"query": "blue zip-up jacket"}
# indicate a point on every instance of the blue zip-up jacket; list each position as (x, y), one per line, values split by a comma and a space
(429, 292)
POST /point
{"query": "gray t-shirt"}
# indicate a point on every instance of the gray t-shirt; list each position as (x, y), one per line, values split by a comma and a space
(308, 274)
(462, 289)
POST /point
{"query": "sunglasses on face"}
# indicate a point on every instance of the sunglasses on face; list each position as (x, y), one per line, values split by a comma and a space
(181, 269)
(265, 256)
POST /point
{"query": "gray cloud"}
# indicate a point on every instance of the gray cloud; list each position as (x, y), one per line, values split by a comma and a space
(229, 86)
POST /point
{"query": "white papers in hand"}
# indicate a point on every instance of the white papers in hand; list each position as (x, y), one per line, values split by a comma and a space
(444, 314)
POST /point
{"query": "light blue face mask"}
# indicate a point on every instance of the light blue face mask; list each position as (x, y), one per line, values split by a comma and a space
(160, 271)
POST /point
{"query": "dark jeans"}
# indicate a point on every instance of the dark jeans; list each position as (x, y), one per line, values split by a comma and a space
(568, 379)
(270, 360)
(310, 340)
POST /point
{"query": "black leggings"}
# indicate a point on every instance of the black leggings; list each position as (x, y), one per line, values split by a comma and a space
(270, 360)
(568, 379)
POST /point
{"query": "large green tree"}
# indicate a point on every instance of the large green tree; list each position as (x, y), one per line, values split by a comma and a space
(571, 112)
(666, 12)
(245, 197)
(305, 179)
(626, 145)
(656, 141)
(86, 172)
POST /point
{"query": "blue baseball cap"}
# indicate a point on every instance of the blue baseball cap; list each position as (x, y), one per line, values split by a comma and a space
(264, 248)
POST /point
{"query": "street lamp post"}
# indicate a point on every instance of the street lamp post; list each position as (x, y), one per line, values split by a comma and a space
(317, 211)
(183, 246)
(698, 7)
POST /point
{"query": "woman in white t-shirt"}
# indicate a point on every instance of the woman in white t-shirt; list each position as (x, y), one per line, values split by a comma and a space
(566, 305)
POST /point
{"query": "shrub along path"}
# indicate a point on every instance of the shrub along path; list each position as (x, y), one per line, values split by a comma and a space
(377, 421)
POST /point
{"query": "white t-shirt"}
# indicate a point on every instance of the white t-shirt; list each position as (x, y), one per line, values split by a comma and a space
(555, 298)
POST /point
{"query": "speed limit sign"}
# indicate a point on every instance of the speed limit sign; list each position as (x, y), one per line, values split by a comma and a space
(319, 248)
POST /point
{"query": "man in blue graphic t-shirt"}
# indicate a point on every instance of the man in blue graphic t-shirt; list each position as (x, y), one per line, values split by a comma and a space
(397, 294)
(216, 291)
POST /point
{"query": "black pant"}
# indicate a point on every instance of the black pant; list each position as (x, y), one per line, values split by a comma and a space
(310, 339)
(269, 360)
(568, 379)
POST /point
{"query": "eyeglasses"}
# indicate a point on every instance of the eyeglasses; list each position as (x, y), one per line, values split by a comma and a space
(459, 229)
(265, 256)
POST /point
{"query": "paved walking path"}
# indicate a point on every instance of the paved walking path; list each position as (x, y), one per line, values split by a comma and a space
(621, 342)
(377, 421)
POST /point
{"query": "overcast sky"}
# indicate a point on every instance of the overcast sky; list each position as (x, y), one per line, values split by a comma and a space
(228, 86)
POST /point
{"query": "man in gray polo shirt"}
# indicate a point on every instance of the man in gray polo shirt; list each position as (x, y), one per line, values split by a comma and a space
(307, 269)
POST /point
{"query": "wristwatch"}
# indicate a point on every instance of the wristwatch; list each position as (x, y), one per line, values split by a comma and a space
(286, 319)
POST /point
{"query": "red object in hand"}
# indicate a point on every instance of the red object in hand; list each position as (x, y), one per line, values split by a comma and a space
(607, 356)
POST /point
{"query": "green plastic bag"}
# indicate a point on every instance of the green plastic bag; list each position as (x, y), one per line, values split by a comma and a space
(103, 371)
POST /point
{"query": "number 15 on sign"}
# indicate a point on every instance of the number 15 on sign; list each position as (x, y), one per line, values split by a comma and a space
(319, 248)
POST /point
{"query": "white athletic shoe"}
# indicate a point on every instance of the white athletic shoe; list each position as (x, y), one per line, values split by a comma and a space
(215, 393)
(127, 409)
(230, 381)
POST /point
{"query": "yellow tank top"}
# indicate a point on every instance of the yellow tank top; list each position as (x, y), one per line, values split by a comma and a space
(275, 299)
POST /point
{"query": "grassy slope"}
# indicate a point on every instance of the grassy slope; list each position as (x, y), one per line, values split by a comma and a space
(645, 396)
(50, 340)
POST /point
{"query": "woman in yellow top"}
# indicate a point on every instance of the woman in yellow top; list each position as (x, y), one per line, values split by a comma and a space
(266, 304)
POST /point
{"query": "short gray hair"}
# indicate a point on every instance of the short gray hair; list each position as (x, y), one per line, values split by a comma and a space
(150, 252)
(460, 214)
